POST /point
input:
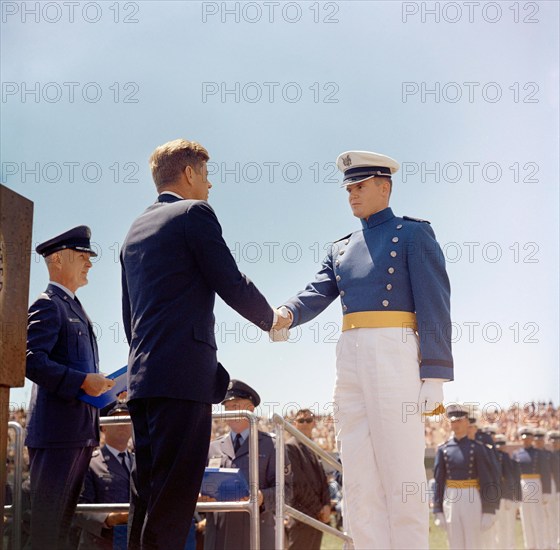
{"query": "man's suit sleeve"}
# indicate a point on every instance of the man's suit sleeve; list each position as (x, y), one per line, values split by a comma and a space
(431, 292)
(204, 237)
(43, 330)
(125, 305)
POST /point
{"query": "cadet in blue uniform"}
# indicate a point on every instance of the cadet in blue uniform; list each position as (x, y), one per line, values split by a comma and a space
(107, 481)
(230, 531)
(531, 465)
(547, 517)
(62, 361)
(554, 440)
(505, 524)
(392, 357)
(464, 485)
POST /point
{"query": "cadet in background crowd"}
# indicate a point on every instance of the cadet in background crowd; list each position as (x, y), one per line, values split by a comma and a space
(546, 503)
(464, 480)
(504, 532)
(554, 440)
(531, 464)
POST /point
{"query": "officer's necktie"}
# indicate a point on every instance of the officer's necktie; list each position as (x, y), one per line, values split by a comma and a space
(237, 442)
(122, 456)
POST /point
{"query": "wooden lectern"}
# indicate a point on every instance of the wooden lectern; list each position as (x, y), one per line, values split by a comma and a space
(16, 220)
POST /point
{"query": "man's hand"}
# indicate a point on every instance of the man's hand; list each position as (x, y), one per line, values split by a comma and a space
(116, 518)
(284, 318)
(430, 400)
(280, 332)
(325, 514)
(95, 384)
(205, 498)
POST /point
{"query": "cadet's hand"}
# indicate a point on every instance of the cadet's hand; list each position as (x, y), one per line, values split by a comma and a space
(96, 384)
(325, 514)
(439, 520)
(431, 396)
(284, 318)
(116, 518)
(487, 521)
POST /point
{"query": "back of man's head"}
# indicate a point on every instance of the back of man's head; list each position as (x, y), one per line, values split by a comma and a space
(170, 159)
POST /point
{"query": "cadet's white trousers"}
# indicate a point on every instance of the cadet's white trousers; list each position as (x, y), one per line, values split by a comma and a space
(463, 516)
(531, 513)
(381, 438)
(505, 525)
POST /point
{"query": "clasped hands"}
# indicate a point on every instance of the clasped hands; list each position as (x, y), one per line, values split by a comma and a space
(284, 320)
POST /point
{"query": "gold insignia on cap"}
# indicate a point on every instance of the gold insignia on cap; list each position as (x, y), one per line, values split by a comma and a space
(347, 161)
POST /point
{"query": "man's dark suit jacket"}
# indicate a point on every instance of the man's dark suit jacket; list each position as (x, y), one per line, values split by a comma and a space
(61, 351)
(310, 487)
(231, 531)
(106, 482)
(174, 261)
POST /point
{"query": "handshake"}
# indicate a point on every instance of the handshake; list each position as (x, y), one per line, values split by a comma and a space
(280, 330)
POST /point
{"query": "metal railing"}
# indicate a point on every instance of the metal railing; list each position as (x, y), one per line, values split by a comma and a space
(15, 509)
(281, 507)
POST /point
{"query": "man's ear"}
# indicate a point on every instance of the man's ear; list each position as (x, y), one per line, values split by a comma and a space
(189, 173)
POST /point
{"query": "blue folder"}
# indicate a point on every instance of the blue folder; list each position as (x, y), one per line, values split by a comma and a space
(224, 484)
(119, 376)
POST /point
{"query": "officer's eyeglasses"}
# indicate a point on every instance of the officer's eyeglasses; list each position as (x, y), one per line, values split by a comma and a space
(305, 420)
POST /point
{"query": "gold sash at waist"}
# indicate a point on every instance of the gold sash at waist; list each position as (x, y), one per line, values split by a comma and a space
(379, 319)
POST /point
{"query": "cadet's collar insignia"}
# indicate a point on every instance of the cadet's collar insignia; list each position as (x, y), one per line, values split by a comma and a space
(347, 161)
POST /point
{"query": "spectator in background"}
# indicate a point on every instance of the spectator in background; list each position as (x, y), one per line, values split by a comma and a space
(310, 487)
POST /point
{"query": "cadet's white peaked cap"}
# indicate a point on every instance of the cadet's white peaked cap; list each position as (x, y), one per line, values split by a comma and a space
(358, 166)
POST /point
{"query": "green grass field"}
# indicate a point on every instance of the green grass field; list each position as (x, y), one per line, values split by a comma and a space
(438, 538)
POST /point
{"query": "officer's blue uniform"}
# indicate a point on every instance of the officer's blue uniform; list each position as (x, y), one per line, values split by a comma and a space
(463, 466)
(392, 265)
(106, 481)
(62, 430)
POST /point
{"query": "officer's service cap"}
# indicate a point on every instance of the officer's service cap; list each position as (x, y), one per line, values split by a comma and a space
(456, 411)
(500, 439)
(76, 238)
(553, 435)
(490, 429)
(119, 408)
(525, 431)
(358, 166)
(539, 433)
(240, 390)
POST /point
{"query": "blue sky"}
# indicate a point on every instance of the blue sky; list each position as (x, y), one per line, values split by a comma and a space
(276, 91)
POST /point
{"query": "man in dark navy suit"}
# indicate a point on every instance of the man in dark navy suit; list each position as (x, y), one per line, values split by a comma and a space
(174, 261)
(62, 361)
(107, 480)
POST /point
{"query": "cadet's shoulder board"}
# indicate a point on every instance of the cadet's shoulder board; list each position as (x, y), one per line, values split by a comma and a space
(343, 238)
(419, 220)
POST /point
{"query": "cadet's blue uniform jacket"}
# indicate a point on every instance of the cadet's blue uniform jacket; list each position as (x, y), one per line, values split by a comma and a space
(533, 461)
(61, 350)
(461, 460)
(508, 481)
(174, 261)
(392, 264)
